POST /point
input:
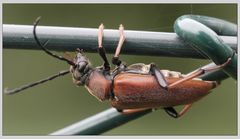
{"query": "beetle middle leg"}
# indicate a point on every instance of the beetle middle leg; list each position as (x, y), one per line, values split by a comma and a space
(115, 59)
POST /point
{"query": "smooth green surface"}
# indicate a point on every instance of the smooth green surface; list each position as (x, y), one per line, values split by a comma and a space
(100, 123)
(207, 42)
(52, 106)
(221, 27)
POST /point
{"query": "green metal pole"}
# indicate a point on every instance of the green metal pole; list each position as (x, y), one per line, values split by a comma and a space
(100, 123)
(137, 42)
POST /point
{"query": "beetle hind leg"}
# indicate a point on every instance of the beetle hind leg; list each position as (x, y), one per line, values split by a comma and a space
(199, 72)
(171, 112)
(185, 109)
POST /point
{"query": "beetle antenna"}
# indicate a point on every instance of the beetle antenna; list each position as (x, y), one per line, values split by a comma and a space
(43, 46)
(19, 89)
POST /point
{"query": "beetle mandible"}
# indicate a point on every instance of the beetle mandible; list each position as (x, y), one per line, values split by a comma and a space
(132, 88)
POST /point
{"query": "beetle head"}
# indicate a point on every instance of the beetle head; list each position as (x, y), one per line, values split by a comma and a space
(82, 68)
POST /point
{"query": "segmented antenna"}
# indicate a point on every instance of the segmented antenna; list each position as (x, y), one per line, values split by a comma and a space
(43, 46)
(61, 73)
(17, 90)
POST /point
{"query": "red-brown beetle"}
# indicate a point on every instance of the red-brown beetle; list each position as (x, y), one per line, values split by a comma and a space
(132, 88)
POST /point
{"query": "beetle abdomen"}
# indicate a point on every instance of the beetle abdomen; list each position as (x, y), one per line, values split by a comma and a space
(142, 91)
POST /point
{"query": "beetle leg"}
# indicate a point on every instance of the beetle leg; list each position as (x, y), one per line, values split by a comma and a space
(101, 49)
(184, 110)
(199, 72)
(129, 111)
(159, 76)
(115, 59)
(173, 113)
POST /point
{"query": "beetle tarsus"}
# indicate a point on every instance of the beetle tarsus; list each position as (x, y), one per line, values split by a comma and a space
(171, 112)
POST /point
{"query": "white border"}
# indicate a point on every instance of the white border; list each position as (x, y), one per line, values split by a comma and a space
(120, 1)
(1, 65)
(117, 1)
(238, 68)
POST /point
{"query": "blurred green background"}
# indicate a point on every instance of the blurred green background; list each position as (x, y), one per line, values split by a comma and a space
(59, 103)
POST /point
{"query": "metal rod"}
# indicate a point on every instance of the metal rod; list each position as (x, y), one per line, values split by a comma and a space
(137, 42)
(99, 123)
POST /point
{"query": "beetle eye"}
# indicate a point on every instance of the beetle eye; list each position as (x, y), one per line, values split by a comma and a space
(78, 50)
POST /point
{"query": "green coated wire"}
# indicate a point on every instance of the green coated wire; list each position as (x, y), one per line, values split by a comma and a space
(204, 39)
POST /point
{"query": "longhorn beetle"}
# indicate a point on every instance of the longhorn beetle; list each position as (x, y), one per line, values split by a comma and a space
(131, 88)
